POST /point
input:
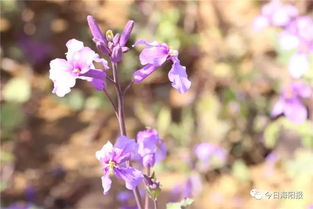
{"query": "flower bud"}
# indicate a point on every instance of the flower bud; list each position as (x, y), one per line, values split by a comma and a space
(126, 32)
(116, 39)
(148, 160)
(116, 54)
(152, 186)
(95, 30)
(103, 48)
(109, 35)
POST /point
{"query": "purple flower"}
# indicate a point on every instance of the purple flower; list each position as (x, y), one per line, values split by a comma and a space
(150, 147)
(290, 103)
(208, 153)
(124, 196)
(20, 206)
(113, 46)
(36, 51)
(298, 65)
(77, 65)
(116, 161)
(275, 13)
(191, 187)
(155, 55)
(299, 36)
(302, 29)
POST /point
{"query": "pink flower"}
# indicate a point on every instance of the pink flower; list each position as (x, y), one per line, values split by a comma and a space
(77, 65)
(154, 56)
(275, 13)
(290, 103)
(115, 158)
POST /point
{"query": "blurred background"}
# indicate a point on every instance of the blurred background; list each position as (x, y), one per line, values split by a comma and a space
(48, 144)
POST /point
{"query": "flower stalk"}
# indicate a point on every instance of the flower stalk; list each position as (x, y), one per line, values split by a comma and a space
(121, 119)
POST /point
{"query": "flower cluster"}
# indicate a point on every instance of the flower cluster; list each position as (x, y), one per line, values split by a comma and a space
(290, 103)
(189, 188)
(119, 159)
(116, 159)
(112, 45)
(77, 65)
(209, 155)
(79, 60)
(151, 148)
(297, 37)
(154, 56)
(275, 13)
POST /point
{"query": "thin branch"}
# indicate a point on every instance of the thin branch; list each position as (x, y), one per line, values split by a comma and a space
(155, 204)
(147, 196)
(111, 80)
(111, 101)
(127, 87)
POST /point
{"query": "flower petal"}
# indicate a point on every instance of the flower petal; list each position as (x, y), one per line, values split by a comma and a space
(73, 46)
(178, 76)
(57, 67)
(301, 89)
(144, 72)
(161, 152)
(127, 145)
(278, 107)
(140, 42)
(116, 54)
(148, 160)
(295, 111)
(131, 176)
(106, 183)
(260, 23)
(95, 30)
(61, 76)
(147, 141)
(83, 59)
(103, 154)
(155, 55)
(126, 32)
(298, 65)
(96, 77)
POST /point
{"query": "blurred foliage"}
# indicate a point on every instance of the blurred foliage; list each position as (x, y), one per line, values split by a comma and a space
(12, 116)
(184, 204)
(237, 75)
(17, 90)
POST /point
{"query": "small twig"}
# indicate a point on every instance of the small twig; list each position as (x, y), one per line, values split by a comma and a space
(111, 101)
(111, 80)
(121, 120)
(155, 203)
(127, 87)
(147, 196)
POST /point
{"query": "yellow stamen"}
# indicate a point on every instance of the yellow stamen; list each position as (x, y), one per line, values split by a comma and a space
(173, 52)
(109, 34)
(111, 165)
(76, 70)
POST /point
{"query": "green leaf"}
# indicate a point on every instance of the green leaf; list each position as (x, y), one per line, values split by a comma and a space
(74, 100)
(6, 157)
(11, 118)
(240, 170)
(184, 204)
(164, 121)
(3, 185)
(17, 90)
(271, 134)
